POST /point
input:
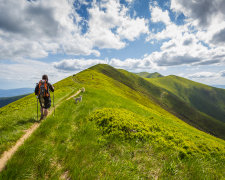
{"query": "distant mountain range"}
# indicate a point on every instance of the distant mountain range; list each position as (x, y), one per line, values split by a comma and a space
(15, 92)
(6, 100)
(157, 75)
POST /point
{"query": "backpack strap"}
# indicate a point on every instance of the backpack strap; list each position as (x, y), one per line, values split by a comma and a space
(47, 91)
(39, 87)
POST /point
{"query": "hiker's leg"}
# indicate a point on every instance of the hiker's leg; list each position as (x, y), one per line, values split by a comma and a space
(42, 113)
(45, 112)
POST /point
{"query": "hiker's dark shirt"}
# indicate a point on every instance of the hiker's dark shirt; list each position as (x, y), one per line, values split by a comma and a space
(49, 87)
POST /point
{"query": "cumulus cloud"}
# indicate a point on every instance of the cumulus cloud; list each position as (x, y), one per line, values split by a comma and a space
(36, 28)
(186, 44)
(219, 37)
(208, 76)
(132, 28)
(131, 64)
(28, 72)
(222, 73)
(206, 16)
(205, 12)
(202, 75)
(77, 64)
(157, 15)
(110, 23)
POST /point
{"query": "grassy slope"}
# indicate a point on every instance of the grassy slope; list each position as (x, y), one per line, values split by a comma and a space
(6, 100)
(206, 99)
(70, 145)
(167, 100)
(18, 116)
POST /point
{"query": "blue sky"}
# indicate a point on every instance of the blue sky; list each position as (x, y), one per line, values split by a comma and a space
(61, 38)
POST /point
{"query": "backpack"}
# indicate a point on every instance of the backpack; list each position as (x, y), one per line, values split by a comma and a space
(43, 89)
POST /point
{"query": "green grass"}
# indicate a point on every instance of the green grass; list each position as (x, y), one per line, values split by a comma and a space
(115, 133)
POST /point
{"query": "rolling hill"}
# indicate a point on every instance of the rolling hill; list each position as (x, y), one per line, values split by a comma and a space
(167, 100)
(122, 129)
(206, 99)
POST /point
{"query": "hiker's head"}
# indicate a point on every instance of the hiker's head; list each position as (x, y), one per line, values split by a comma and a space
(45, 77)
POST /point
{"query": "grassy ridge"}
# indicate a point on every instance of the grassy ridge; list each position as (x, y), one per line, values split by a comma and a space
(166, 99)
(115, 132)
(206, 99)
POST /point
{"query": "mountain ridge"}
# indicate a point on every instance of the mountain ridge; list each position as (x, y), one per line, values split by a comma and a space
(207, 99)
(118, 130)
(169, 101)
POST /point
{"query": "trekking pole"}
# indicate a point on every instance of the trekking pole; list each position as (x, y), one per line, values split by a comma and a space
(37, 108)
(54, 103)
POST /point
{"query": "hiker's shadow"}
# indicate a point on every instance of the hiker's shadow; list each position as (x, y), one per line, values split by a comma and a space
(22, 122)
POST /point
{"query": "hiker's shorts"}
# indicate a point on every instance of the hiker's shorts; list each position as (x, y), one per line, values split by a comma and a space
(46, 104)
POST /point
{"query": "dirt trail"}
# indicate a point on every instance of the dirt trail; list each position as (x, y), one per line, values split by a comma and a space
(8, 154)
(78, 92)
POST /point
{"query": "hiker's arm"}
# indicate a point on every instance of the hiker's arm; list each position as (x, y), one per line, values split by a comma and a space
(51, 87)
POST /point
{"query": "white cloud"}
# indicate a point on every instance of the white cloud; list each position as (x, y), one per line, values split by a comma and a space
(36, 28)
(27, 72)
(222, 73)
(208, 77)
(110, 23)
(206, 16)
(204, 12)
(68, 65)
(202, 75)
(77, 64)
(186, 44)
(157, 15)
(132, 28)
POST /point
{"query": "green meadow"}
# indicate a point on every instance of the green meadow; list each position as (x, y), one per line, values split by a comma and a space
(122, 129)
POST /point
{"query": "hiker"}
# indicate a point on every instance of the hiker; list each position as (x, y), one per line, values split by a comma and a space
(42, 91)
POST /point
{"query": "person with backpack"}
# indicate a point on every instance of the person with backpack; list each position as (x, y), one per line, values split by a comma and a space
(42, 91)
